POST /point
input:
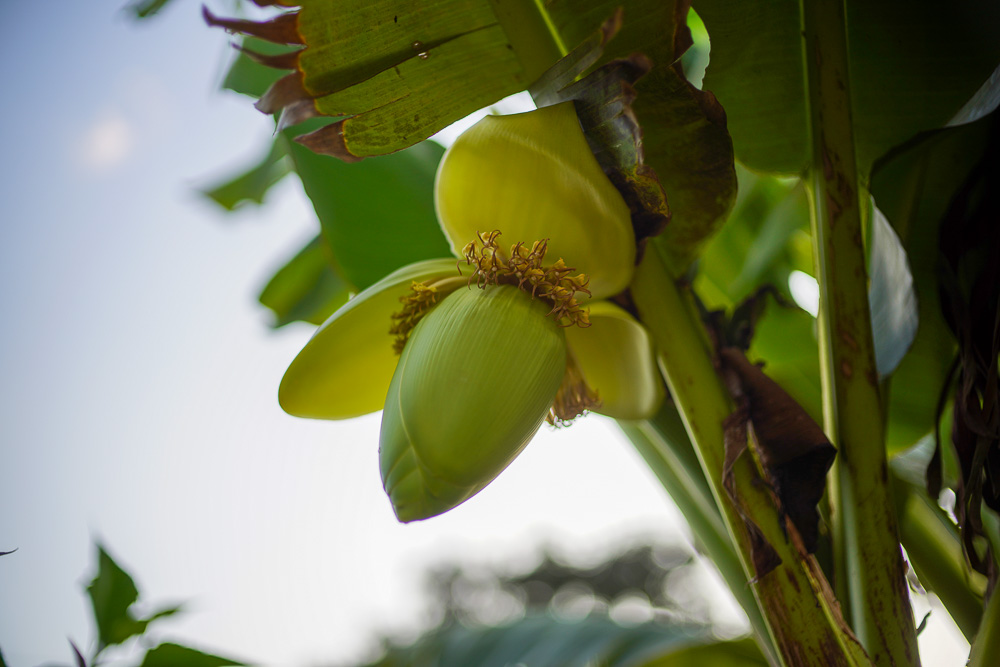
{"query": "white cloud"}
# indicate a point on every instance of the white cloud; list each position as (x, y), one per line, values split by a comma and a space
(107, 142)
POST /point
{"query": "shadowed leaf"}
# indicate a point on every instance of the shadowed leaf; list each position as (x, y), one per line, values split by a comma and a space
(913, 187)
(905, 78)
(306, 288)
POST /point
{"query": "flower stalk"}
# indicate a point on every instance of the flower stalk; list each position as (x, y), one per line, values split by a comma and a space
(801, 614)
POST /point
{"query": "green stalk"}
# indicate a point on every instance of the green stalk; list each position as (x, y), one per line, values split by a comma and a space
(986, 648)
(663, 444)
(868, 556)
(935, 552)
(798, 607)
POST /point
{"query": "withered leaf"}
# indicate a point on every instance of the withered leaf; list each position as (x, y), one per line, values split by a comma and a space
(764, 557)
(792, 448)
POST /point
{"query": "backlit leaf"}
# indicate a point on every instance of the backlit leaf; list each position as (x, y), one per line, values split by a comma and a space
(396, 72)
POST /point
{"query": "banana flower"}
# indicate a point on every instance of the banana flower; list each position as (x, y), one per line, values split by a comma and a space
(468, 358)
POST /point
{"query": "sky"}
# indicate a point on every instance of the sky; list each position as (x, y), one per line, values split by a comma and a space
(138, 396)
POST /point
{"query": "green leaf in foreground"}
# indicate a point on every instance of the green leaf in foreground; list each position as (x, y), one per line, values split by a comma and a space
(112, 592)
(913, 68)
(377, 215)
(174, 655)
(306, 288)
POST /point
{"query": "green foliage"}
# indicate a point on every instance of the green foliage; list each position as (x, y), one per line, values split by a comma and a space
(251, 185)
(905, 78)
(113, 593)
(145, 8)
(377, 215)
(306, 288)
(172, 655)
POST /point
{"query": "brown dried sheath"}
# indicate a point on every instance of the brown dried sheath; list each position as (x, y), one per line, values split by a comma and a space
(793, 449)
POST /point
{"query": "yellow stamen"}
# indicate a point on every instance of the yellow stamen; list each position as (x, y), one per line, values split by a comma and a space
(522, 268)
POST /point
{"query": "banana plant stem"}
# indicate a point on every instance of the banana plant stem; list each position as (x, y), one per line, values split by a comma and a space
(868, 558)
(798, 607)
(935, 552)
(986, 648)
(664, 445)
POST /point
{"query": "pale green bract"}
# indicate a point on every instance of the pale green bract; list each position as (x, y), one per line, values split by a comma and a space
(479, 372)
(443, 437)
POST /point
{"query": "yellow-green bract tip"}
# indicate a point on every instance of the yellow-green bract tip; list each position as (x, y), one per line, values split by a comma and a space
(533, 176)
